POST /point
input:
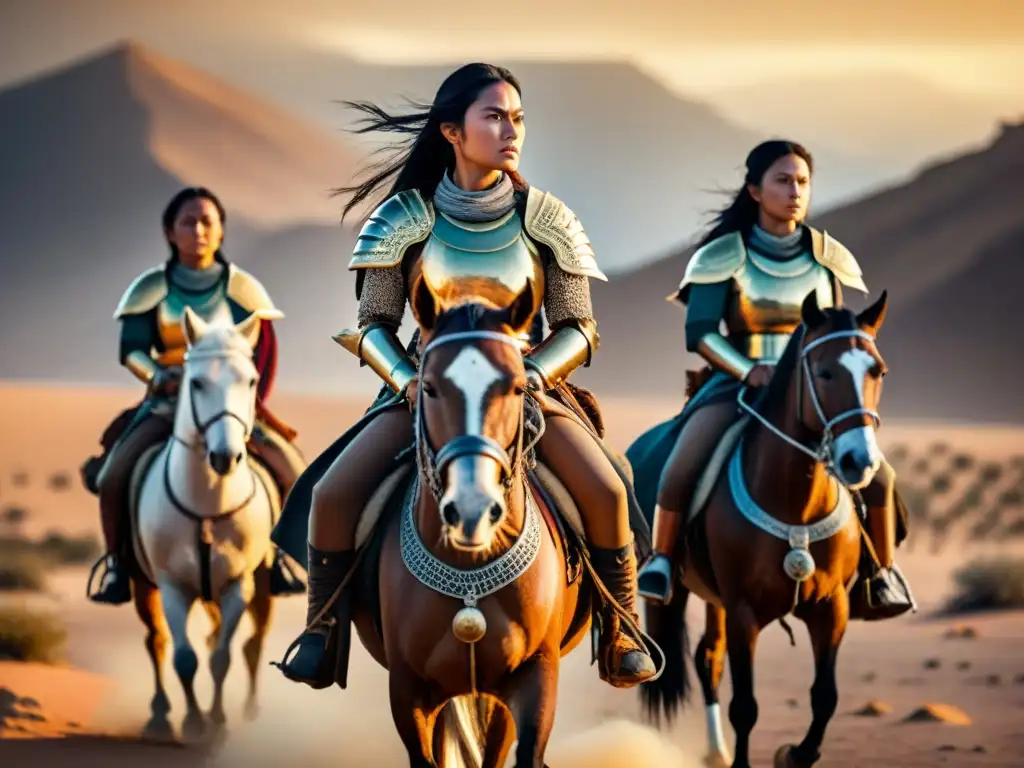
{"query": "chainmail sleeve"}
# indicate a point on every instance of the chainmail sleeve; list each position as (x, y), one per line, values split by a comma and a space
(382, 297)
(566, 296)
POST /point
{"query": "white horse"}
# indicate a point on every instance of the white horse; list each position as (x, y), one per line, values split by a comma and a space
(202, 521)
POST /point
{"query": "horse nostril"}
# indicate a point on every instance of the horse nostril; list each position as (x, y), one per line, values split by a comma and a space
(238, 457)
(450, 514)
(496, 512)
(847, 465)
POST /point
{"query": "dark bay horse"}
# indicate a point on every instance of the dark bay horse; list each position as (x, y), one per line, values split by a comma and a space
(780, 532)
(476, 609)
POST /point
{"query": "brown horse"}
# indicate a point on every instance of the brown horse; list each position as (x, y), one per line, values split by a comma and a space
(476, 608)
(780, 533)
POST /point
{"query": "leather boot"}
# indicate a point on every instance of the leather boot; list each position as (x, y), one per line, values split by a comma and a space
(116, 582)
(621, 660)
(283, 580)
(656, 581)
(880, 593)
(321, 652)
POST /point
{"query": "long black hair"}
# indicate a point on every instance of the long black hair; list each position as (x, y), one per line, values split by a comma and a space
(742, 213)
(177, 202)
(419, 160)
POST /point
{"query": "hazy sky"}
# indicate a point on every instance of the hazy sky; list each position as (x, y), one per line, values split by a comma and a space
(974, 46)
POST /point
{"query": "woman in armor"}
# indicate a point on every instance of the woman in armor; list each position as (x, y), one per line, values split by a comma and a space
(752, 272)
(153, 347)
(462, 223)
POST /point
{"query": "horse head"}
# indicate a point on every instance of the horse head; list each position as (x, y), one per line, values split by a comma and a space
(470, 412)
(839, 386)
(217, 405)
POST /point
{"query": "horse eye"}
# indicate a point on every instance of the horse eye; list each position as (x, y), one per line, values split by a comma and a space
(428, 389)
(825, 374)
(252, 383)
(198, 385)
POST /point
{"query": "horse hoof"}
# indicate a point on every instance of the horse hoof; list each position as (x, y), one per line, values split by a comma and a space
(193, 728)
(717, 760)
(252, 710)
(158, 729)
(784, 757)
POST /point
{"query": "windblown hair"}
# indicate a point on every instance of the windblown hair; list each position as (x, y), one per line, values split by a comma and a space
(741, 214)
(419, 159)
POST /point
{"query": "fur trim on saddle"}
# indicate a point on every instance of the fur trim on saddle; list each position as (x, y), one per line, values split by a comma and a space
(584, 403)
(696, 379)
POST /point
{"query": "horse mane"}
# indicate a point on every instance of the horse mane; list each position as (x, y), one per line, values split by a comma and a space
(468, 317)
(836, 319)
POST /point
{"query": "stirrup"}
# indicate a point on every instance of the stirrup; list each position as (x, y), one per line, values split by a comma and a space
(654, 581)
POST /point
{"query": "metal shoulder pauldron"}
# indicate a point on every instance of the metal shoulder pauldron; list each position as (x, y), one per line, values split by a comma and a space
(836, 257)
(551, 222)
(249, 293)
(145, 293)
(714, 262)
(400, 221)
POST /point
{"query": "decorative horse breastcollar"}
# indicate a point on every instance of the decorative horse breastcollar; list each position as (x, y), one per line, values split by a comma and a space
(470, 585)
(798, 564)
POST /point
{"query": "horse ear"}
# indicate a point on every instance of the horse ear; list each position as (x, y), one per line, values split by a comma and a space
(810, 312)
(519, 315)
(871, 319)
(194, 326)
(250, 328)
(424, 305)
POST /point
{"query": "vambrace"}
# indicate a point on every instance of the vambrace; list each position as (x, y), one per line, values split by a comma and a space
(717, 350)
(566, 348)
(142, 366)
(377, 346)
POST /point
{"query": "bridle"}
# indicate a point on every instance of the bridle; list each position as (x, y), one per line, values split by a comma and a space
(824, 453)
(202, 427)
(433, 464)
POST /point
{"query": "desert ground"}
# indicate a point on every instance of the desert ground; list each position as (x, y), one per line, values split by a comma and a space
(88, 711)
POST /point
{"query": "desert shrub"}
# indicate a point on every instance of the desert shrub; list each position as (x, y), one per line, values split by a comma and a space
(20, 479)
(69, 550)
(13, 516)
(920, 467)
(55, 548)
(897, 454)
(941, 484)
(991, 472)
(29, 636)
(22, 570)
(60, 481)
(962, 462)
(1015, 529)
(982, 585)
(1014, 497)
(938, 449)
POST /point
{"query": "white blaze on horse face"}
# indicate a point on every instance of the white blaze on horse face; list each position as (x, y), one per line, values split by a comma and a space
(473, 374)
(857, 451)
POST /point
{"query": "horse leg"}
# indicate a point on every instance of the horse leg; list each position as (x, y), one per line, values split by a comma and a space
(826, 625)
(147, 606)
(261, 610)
(177, 606)
(234, 600)
(531, 695)
(741, 631)
(709, 662)
(414, 716)
(213, 613)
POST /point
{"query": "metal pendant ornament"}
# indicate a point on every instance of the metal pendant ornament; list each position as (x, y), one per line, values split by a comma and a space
(469, 624)
(799, 564)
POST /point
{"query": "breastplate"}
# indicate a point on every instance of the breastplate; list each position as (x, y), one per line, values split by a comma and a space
(488, 262)
(764, 308)
(211, 305)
